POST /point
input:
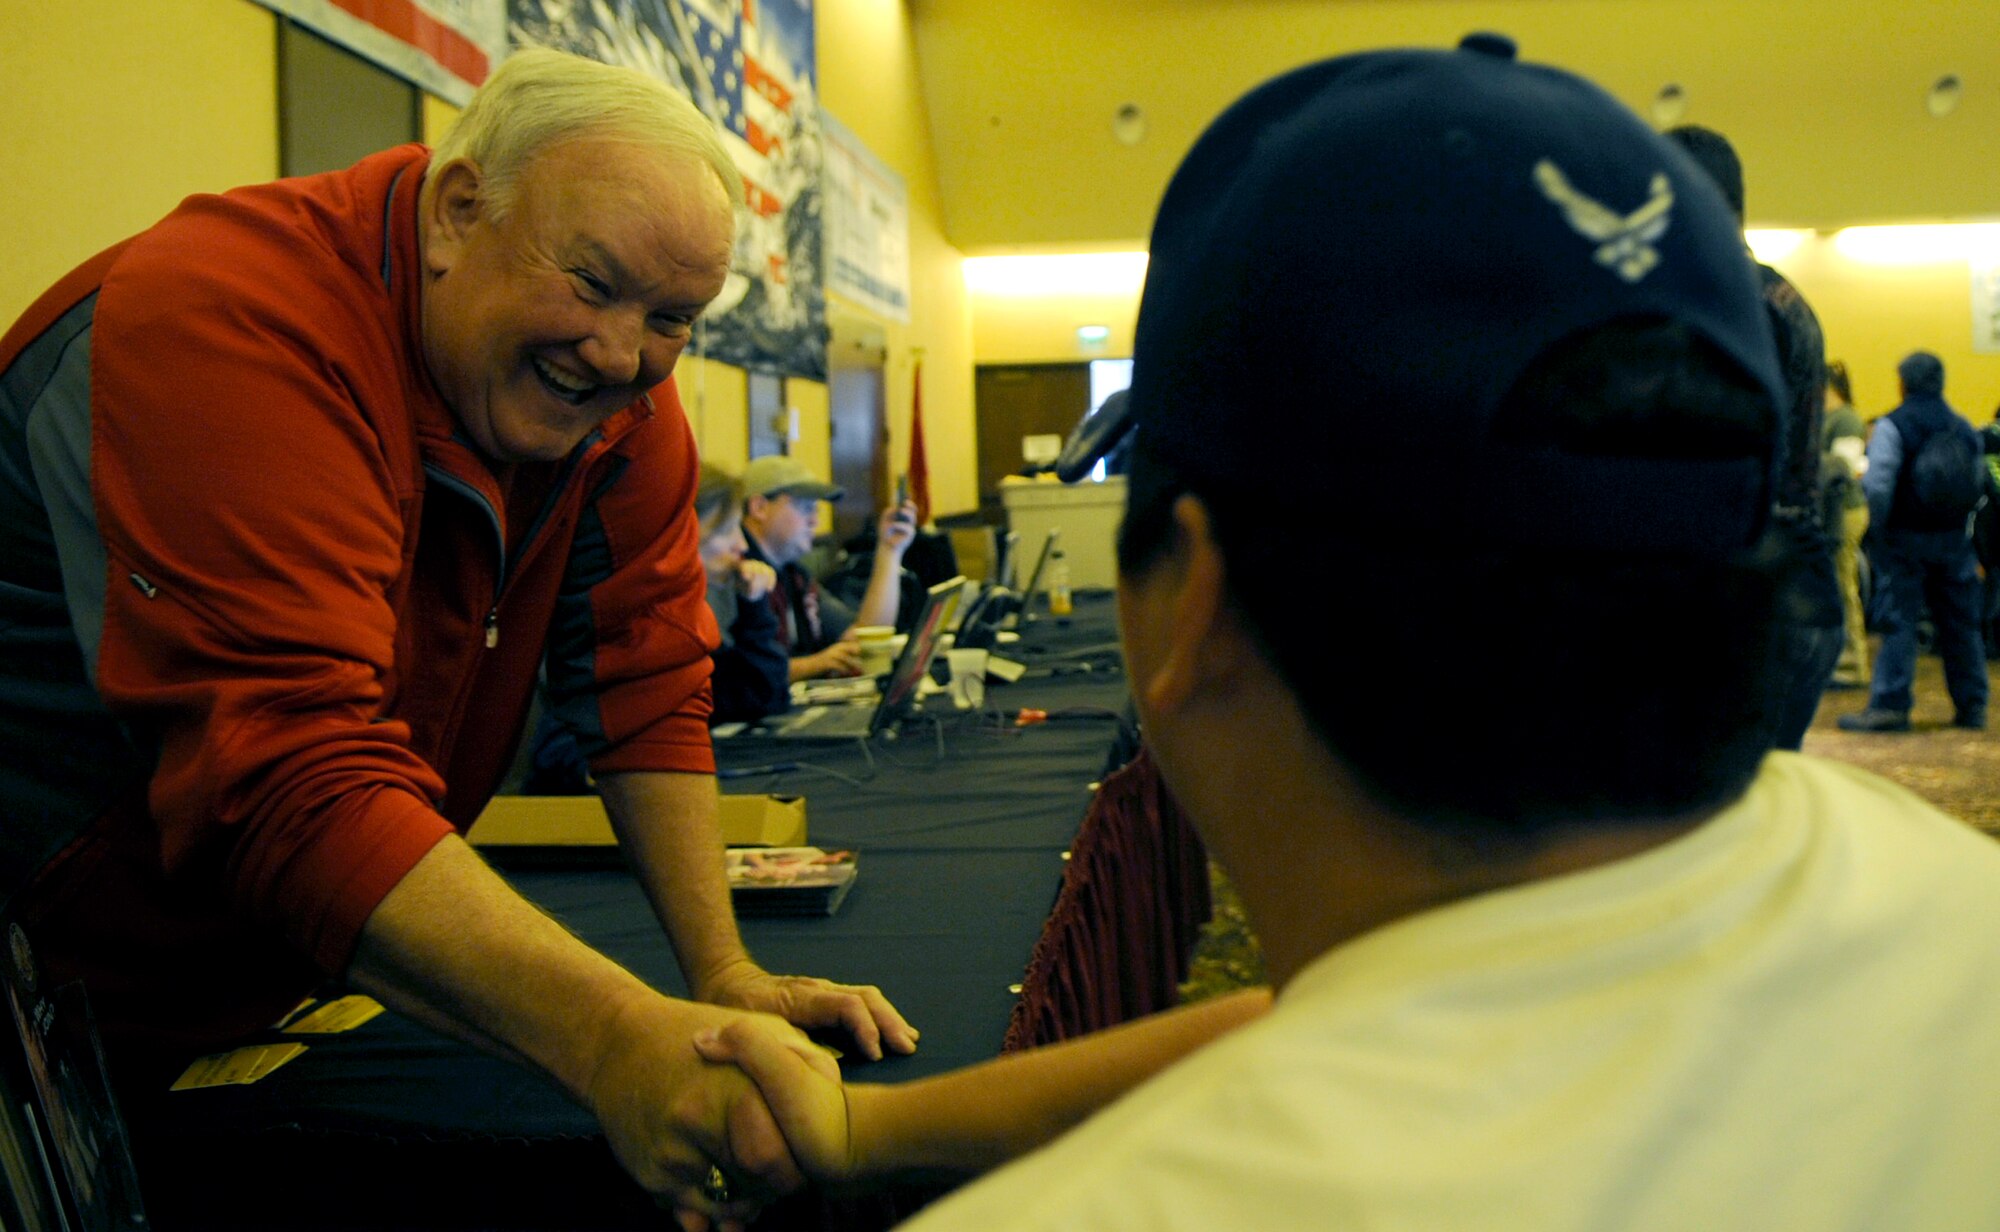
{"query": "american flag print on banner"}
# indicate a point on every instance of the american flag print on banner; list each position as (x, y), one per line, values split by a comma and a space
(750, 66)
(445, 46)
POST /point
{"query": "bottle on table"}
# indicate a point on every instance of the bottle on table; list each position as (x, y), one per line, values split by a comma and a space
(1061, 603)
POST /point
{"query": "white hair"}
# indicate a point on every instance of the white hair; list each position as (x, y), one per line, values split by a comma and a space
(538, 98)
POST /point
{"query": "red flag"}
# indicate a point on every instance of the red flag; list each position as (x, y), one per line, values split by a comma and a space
(920, 467)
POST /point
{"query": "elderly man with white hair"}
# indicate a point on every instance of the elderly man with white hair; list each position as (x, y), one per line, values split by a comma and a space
(303, 487)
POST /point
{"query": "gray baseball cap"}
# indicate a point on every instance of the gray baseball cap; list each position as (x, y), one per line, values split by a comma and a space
(778, 474)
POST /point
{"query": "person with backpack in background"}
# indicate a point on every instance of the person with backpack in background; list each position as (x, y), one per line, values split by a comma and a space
(1925, 479)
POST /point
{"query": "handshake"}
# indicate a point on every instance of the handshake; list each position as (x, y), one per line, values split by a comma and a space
(787, 1117)
(793, 1126)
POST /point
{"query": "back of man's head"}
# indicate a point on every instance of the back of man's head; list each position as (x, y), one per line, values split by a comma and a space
(1922, 374)
(1521, 339)
(1712, 152)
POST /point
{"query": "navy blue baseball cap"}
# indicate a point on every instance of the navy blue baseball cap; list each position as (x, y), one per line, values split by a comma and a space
(1357, 262)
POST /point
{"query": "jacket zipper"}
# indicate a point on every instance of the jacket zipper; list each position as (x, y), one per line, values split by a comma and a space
(453, 483)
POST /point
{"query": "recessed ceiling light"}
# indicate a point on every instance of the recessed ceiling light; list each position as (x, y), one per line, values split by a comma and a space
(1669, 105)
(1944, 95)
(1129, 124)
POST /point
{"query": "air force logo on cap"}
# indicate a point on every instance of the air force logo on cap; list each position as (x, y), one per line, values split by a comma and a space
(1624, 241)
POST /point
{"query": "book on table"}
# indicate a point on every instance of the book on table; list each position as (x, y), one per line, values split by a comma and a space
(788, 880)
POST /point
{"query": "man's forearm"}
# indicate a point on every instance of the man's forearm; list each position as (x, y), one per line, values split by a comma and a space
(453, 946)
(973, 1119)
(885, 591)
(668, 827)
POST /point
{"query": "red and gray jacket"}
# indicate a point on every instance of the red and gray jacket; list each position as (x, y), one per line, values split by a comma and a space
(269, 626)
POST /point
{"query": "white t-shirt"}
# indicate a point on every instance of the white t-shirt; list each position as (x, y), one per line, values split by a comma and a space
(1786, 1019)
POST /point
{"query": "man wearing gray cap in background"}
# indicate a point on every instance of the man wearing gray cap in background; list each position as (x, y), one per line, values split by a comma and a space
(780, 520)
(1603, 962)
(1924, 479)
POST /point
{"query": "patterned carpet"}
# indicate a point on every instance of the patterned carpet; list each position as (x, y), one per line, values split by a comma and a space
(1957, 770)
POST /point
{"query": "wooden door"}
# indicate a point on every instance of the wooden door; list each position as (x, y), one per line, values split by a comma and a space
(859, 424)
(858, 421)
(1013, 401)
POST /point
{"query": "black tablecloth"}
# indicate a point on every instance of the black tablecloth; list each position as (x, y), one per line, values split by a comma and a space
(962, 825)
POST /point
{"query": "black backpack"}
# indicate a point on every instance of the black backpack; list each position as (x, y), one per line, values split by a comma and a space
(1948, 475)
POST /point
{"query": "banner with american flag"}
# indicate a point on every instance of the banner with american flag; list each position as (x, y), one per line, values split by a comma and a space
(750, 65)
(444, 46)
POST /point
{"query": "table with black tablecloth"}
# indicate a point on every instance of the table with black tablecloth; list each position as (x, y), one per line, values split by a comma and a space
(963, 825)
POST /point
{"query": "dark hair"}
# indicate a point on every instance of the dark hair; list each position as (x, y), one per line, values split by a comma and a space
(1491, 694)
(1836, 378)
(718, 495)
(1716, 156)
(1922, 374)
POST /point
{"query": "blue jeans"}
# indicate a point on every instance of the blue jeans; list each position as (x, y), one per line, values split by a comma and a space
(1910, 568)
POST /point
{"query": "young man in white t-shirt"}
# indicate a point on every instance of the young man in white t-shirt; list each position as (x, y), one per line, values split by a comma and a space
(1556, 944)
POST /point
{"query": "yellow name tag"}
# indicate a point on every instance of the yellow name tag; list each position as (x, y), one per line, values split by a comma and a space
(244, 1065)
(343, 1014)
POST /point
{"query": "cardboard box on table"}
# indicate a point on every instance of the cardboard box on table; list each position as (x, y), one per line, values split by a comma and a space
(576, 829)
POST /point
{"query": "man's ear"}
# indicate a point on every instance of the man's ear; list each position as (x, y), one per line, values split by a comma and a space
(1201, 641)
(454, 201)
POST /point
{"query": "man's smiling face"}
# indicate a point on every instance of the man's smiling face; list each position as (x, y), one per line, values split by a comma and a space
(541, 324)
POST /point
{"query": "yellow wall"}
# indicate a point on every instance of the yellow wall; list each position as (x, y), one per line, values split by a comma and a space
(437, 118)
(717, 398)
(114, 111)
(1874, 315)
(815, 444)
(1030, 329)
(868, 78)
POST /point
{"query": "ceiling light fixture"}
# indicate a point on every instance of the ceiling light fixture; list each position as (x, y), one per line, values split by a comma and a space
(1669, 105)
(1944, 95)
(1772, 245)
(1087, 273)
(1129, 124)
(1937, 244)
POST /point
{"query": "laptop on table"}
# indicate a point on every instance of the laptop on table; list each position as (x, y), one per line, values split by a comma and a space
(899, 692)
(1024, 610)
